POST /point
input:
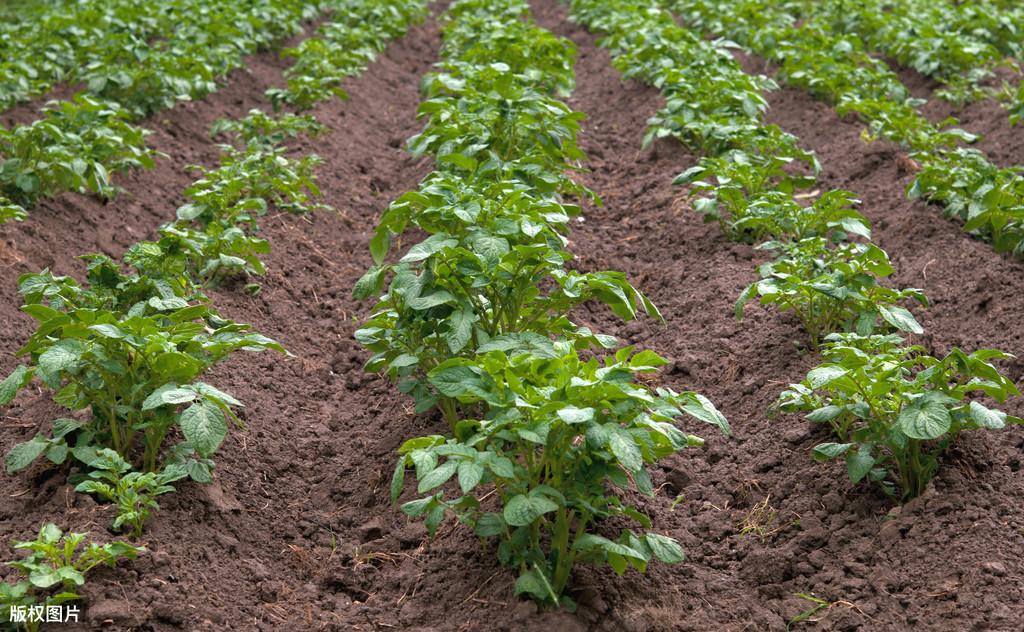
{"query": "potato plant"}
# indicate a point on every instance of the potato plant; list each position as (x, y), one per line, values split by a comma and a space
(558, 437)
(128, 350)
(134, 493)
(832, 288)
(74, 147)
(753, 198)
(493, 265)
(475, 320)
(939, 40)
(56, 562)
(214, 238)
(894, 409)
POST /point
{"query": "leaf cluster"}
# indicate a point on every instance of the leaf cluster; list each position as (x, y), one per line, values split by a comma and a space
(113, 480)
(833, 288)
(74, 147)
(56, 562)
(128, 349)
(893, 409)
(813, 52)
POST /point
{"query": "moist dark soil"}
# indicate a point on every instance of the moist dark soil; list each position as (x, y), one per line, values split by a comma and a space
(298, 532)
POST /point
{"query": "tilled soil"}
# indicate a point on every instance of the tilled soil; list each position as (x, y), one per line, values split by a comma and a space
(986, 118)
(298, 531)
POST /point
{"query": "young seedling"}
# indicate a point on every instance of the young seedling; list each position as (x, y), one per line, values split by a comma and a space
(894, 409)
(55, 564)
(134, 493)
(832, 288)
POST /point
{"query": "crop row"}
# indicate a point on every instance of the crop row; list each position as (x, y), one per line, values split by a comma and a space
(79, 142)
(989, 199)
(475, 320)
(892, 407)
(959, 44)
(126, 350)
(142, 55)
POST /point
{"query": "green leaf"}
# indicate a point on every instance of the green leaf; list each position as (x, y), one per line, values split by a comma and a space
(626, 451)
(455, 381)
(470, 474)
(859, 464)
(574, 415)
(522, 510)
(437, 476)
(204, 427)
(429, 246)
(986, 417)
(824, 451)
(168, 395)
(531, 583)
(398, 479)
(460, 329)
(422, 303)
(415, 508)
(824, 414)
(924, 418)
(23, 454)
(108, 331)
(900, 318)
(490, 525)
(14, 382)
(379, 246)
(665, 548)
(370, 283)
(44, 577)
(824, 375)
(61, 357)
(700, 407)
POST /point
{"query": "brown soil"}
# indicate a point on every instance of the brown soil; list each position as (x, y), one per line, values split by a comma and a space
(1003, 143)
(298, 532)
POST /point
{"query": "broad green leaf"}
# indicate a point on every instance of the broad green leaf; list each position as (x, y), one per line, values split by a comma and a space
(900, 318)
(859, 464)
(108, 331)
(23, 454)
(168, 395)
(204, 427)
(924, 419)
(460, 329)
(470, 474)
(573, 415)
(522, 510)
(665, 548)
(531, 583)
(626, 451)
(429, 246)
(61, 357)
(490, 525)
(986, 417)
(824, 375)
(370, 283)
(830, 450)
(44, 577)
(14, 382)
(437, 476)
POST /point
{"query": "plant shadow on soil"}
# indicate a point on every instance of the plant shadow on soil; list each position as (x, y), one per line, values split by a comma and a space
(298, 531)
